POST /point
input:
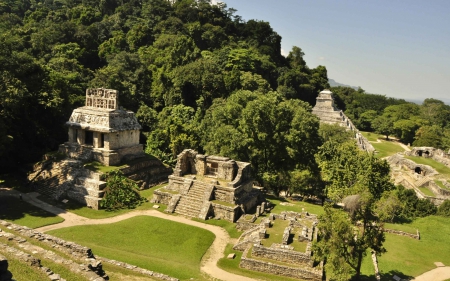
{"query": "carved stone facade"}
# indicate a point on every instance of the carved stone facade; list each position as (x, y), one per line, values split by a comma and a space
(209, 186)
(101, 131)
(328, 113)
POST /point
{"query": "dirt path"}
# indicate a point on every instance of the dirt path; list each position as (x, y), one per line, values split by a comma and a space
(437, 274)
(209, 260)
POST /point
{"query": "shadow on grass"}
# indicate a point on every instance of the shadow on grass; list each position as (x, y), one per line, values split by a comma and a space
(13, 208)
(389, 276)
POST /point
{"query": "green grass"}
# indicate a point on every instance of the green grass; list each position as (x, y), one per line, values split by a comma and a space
(296, 207)
(81, 210)
(372, 136)
(402, 227)
(156, 244)
(387, 148)
(228, 226)
(426, 191)
(274, 234)
(412, 257)
(439, 167)
(440, 184)
(232, 265)
(22, 271)
(99, 167)
(20, 212)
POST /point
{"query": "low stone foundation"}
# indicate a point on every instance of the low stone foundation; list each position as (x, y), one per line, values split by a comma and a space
(315, 274)
(402, 233)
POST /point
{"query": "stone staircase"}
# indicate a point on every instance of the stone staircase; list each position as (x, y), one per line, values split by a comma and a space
(422, 181)
(191, 203)
(88, 189)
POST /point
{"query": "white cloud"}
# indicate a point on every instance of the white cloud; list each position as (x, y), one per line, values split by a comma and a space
(214, 2)
(284, 53)
(321, 58)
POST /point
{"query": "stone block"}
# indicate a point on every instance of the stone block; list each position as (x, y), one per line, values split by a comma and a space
(231, 256)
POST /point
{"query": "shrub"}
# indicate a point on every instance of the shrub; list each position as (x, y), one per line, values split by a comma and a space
(120, 192)
(444, 209)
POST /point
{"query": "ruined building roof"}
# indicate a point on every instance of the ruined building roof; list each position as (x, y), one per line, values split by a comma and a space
(102, 113)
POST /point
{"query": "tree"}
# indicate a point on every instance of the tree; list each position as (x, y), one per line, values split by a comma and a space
(383, 125)
(343, 245)
(120, 193)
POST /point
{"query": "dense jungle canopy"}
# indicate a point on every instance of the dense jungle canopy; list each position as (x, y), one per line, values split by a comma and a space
(197, 75)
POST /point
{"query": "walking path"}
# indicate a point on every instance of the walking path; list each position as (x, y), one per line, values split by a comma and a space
(437, 274)
(209, 260)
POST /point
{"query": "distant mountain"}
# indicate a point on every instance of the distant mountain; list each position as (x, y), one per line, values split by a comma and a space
(337, 84)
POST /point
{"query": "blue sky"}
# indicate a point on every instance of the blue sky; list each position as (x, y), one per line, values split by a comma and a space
(395, 48)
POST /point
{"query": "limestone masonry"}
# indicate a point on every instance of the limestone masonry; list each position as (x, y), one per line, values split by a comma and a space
(418, 176)
(205, 186)
(99, 131)
(328, 113)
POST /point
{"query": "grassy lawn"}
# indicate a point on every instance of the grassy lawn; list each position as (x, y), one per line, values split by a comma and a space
(232, 265)
(275, 233)
(22, 271)
(84, 211)
(387, 148)
(152, 243)
(228, 226)
(370, 136)
(426, 191)
(439, 167)
(295, 206)
(440, 184)
(18, 211)
(410, 257)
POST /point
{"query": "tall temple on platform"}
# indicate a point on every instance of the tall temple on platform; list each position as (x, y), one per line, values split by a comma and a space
(102, 131)
(328, 113)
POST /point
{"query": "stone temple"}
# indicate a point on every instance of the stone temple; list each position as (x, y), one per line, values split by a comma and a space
(328, 113)
(102, 131)
(99, 132)
(205, 186)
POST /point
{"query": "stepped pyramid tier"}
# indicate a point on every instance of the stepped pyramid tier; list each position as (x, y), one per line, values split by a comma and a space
(102, 131)
(328, 113)
(204, 186)
(98, 131)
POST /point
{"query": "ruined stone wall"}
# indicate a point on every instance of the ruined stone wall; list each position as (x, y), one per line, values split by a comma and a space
(121, 139)
(402, 233)
(225, 212)
(437, 189)
(314, 274)
(281, 255)
(161, 197)
(244, 174)
(224, 194)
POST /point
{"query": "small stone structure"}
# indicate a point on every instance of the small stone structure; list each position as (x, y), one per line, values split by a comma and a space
(281, 259)
(205, 186)
(328, 113)
(99, 131)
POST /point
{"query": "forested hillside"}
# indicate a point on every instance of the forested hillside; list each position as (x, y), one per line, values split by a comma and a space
(174, 62)
(196, 74)
(427, 124)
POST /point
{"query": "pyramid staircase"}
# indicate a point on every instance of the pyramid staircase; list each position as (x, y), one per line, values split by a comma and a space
(191, 204)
